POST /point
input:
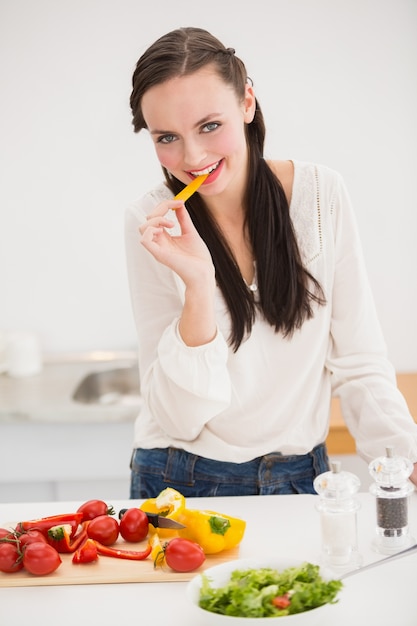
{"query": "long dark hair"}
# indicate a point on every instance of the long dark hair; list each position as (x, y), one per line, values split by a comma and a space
(286, 289)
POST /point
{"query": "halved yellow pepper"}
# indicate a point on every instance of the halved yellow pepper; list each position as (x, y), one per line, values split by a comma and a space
(157, 553)
(169, 503)
(214, 532)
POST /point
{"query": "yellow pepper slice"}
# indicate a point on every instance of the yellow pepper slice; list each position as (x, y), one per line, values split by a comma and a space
(157, 554)
(169, 503)
(214, 531)
(188, 191)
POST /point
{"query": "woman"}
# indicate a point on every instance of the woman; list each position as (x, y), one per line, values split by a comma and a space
(251, 302)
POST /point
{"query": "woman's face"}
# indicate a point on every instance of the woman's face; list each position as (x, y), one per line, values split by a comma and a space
(197, 125)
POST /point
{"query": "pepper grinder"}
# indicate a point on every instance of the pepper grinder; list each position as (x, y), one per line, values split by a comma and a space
(338, 516)
(392, 490)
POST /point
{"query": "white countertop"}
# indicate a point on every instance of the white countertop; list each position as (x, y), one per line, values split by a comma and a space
(287, 525)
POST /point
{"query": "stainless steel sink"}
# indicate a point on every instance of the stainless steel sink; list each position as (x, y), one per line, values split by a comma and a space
(118, 386)
(99, 386)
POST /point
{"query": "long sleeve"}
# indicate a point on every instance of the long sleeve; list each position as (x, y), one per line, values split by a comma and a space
(362, 376)
(183, 387)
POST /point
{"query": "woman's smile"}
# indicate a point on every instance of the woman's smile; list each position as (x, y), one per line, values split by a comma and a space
(213, 172)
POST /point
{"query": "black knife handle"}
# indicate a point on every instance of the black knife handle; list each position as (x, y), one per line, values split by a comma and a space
(122, 512)
(153, 518)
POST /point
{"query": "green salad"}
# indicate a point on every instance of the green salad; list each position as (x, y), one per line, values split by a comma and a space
(267, 592)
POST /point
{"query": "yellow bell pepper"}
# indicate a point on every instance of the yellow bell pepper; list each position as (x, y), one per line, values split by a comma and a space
(214, 532)
(169, 503)
(157, 554)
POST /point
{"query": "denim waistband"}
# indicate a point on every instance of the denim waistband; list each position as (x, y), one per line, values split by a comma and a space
(189, 473)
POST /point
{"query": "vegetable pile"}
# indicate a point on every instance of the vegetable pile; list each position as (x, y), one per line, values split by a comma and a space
(93, 531)
(36, 545)
(267, 592)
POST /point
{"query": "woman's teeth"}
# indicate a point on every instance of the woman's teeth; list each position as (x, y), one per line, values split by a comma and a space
(208, 170)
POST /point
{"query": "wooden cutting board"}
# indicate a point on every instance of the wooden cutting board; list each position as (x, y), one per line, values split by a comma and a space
(110, 570)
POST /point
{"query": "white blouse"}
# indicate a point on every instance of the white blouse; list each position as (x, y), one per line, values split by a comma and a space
(273, 394)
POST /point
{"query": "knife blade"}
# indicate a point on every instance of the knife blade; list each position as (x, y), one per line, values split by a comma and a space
(158, 521)
(392, 557)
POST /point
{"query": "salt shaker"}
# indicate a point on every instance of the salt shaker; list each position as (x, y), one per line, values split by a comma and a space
(392, 490)
(338, 516)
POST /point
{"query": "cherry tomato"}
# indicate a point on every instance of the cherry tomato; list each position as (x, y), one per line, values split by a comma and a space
(281, 602)
(183, 555)
(134, 525)
(40, 558)
(6, 533)
(30, 537)
(10, 560)
(104, 529)
(94, 508)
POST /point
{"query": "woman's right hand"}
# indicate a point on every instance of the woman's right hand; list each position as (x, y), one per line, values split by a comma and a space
(185, 253)
(188, 256)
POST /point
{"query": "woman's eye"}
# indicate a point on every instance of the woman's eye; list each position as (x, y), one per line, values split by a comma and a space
(166, 139)
(208, 128)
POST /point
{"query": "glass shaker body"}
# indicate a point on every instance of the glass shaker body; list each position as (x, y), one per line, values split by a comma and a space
(338, 518)
(391, 490)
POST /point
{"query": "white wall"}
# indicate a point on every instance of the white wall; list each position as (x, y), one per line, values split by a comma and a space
(337, 83)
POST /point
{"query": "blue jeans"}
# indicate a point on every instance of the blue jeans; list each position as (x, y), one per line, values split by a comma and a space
(195, 476)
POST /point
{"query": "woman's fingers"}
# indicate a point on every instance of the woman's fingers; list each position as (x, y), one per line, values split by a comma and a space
(155, 222)
(185, 220)
(157, 217)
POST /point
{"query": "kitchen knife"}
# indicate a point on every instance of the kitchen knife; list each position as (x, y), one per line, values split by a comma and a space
(158, 521)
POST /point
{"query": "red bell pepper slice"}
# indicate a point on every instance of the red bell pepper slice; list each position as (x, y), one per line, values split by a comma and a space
(60, 537)
(45, 523)
(86, 553)
(131, 555)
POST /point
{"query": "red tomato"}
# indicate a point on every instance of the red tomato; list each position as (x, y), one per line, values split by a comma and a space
(9, 558)
(40, 558)
(183, 555)
(134, 525)
(104, 529)
(281, 602)
(6, 533)
(94, 508)
(30, 537)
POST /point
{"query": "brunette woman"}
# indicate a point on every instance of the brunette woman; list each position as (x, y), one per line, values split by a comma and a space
(251, 300)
